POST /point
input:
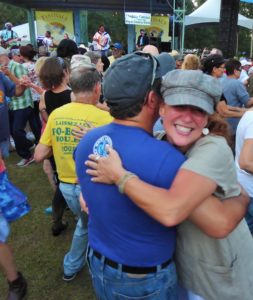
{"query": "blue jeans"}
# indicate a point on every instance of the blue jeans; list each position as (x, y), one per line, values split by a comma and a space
(4, 148)
(75, 259)
(249, 216)
(113, 284)
(18, 121)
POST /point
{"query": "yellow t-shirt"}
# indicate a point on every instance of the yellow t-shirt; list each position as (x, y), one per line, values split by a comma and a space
(111, 59)
(58, 134)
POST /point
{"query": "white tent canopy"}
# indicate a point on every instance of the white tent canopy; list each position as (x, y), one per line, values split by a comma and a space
(209, 12)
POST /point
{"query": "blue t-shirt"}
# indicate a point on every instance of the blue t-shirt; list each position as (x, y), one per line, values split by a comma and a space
(7, 88)
(236, 95)
(117, 227)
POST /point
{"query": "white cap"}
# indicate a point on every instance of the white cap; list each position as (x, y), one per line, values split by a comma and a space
(79, 60)
(244, 63)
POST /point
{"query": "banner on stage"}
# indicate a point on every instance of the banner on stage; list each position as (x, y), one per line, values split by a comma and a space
(135, 18)
(57, 22)
(159, 28)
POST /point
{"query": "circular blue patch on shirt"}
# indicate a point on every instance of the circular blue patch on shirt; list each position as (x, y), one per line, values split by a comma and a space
(99, 146)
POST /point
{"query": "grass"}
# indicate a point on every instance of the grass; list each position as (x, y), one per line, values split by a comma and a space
(38, 254)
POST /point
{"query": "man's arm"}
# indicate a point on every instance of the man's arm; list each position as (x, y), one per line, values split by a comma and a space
(227, 111)
(250, 102)
(218, 218)
(42, 152)
(246, 156)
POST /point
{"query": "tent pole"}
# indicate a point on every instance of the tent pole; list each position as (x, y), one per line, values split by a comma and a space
(173, 26)
(251, 42)
(183, 28)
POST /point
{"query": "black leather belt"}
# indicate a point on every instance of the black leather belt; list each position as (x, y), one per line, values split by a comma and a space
(130, 269)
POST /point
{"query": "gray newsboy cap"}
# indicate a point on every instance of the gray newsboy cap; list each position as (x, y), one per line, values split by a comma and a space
(191, 87)
(129, 78)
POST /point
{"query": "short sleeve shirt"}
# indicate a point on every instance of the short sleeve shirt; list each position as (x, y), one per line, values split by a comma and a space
(244, 132)
(58, 134)
(25, 100)
(7, 88)
(236, 94)
(211, 157)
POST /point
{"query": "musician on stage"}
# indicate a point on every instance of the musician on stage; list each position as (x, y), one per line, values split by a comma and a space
(8, 36)
(142, 40)
(101, 41)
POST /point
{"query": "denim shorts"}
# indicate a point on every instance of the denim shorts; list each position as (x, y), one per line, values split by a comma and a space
(4, 148)
(4, 229)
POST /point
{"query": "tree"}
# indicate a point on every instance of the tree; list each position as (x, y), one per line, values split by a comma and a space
(13, 14)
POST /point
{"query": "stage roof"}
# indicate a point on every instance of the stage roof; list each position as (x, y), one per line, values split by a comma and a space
(153, 6)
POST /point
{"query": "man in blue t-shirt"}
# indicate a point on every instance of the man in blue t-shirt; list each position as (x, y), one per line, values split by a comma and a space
(127, 248)
(234, 91)
(17, 283)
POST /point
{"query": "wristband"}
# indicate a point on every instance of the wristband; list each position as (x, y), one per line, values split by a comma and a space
(123, 180)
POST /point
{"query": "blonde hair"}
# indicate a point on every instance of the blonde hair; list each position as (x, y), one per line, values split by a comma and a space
(191, 62)
(39, 63)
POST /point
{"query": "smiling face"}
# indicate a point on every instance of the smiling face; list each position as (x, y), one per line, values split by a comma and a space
(183, 124)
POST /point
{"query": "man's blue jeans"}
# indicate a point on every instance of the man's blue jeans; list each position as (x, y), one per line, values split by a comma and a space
(74, 260)
(113, 284)
(249, 216)
(18, 121)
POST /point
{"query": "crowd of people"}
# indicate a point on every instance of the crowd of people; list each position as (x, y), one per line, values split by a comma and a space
(152, 152)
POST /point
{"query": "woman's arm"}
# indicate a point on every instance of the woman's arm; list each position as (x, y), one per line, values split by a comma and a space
(217, 219)
(42, 108)
(186, 197)
(169, 207)
(37, 88)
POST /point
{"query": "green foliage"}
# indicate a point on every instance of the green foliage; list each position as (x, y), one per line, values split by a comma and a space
(201, 37)
(13, 14)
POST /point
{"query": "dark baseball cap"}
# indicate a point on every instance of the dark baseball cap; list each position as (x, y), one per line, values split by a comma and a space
(130, 77)
(214, 59)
